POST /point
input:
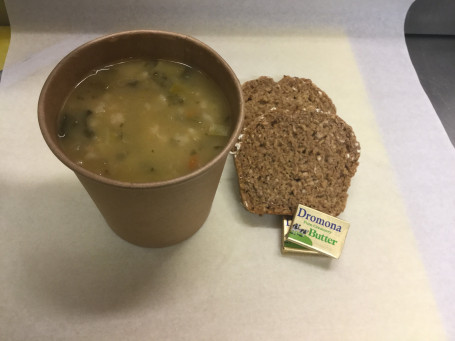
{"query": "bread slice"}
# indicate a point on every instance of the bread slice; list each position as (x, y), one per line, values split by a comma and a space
(263, 95)
(298, 157)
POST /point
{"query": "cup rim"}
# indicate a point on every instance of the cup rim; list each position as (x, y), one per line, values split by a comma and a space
(79, 170)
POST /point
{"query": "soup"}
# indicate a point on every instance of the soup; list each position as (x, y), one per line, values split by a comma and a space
(144, 121)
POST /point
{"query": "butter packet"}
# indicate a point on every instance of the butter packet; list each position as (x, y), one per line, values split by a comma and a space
(317, 231)
(289, 247)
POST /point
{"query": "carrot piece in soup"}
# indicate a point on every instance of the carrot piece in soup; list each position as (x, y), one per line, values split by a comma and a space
(193, 162)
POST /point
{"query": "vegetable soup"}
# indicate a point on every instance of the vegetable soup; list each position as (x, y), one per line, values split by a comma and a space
(144, 121)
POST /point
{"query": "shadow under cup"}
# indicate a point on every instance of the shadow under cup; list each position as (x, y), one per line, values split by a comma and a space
(153, 214)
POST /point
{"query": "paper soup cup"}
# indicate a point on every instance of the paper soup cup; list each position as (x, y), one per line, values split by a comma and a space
(154, 214)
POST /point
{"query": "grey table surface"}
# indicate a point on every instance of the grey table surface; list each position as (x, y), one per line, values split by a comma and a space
(433, 57)
(430, 37)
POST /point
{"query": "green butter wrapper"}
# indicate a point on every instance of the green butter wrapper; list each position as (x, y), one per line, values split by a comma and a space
(289, 247)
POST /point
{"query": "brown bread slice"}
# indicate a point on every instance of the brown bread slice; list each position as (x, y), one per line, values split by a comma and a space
(263, 95)
(296, 158)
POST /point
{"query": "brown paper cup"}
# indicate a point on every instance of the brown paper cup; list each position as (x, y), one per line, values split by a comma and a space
(153, 214)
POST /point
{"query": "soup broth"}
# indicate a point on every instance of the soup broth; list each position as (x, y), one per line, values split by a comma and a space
(144, 121)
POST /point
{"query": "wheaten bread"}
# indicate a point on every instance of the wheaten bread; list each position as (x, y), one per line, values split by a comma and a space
(300, 157)
(263, 95)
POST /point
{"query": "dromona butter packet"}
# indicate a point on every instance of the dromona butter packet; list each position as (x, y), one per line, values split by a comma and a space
(318, 231)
